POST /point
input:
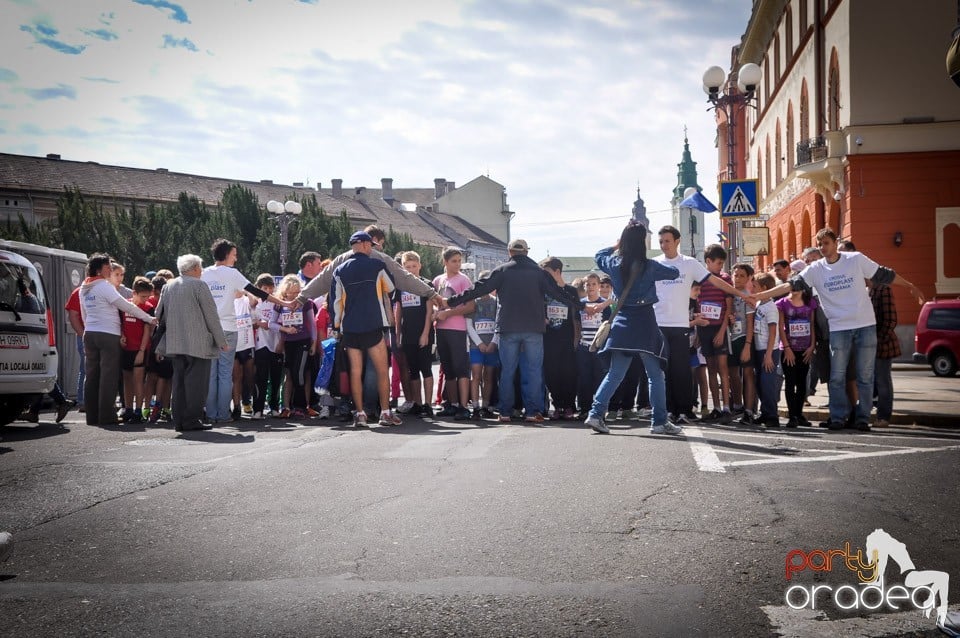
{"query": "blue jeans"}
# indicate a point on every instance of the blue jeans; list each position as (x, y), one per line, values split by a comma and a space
(863, 342)
(619, 364)
(82, 375)
(220, 390)
(531, 372)
(768, 384)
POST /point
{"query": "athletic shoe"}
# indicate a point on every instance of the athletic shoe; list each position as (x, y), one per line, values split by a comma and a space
(725, 417)
(311, 413)
(393, 404)
(62, 410)
(598, 424)
(324, 412)
(504, 418)
(863, 426)
(462, 414)
(257, 416)
(534, 418)
(793, 422)
(449, 409)
(359, 419)
(146, 413)
(31, 416)
(771, 422)
(235, 413)
(683, 419)
(284, 414)
(127, 415)
(711, 417)
(427, 411)
(835, 425)
(166, 415)
(136, 417)
(881, 423)
(297, 413)
(804, 421)
(247, 409)
(389, 417)
(406, 407)
(644, 413)
(487, 413)
(666, 428)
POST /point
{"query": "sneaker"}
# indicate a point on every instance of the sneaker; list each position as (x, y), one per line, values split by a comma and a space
(166, 415)
(644, 413)
(568, 414)
(863, 426)
(285, 414)
(235, 413)
(804, 421)
(449, 409)
(407, 407)
(712, 417)
(145, 413)
(881, 423)
(297, 413)
(771, 422)
(393, 404)
(127, 415)
(426, 410)
(389, 417)
(666, 428)
(359, 419)
(257, 416)
(247, 409)
(683, 419)
(516, 414)
(324, 412)
(62, 410)
(487, 413)
(31, 416)
(475, 414)
(835, 425)
(462, 414)
(746, 418)
(311, 413)
(505, 418)
(534, 418)
(793, 422)
(597, 424)
(136, 417)
(725, 417)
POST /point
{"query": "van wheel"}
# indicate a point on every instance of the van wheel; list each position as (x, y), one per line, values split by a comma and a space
(943, 364)
(10, 408)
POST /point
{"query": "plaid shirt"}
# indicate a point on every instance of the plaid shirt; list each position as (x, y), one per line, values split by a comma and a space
(888, 345)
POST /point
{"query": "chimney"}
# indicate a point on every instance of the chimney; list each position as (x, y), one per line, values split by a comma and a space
(451, 186)
(337, 187)
(386, 185)
(266, 181)
(439, 187)
(53, 156)
(298, 184)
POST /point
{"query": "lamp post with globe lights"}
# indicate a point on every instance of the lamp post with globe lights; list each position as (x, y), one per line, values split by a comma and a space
(285, 213)
(730, 98)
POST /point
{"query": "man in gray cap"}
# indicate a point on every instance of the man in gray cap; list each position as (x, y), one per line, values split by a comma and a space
(522, 289)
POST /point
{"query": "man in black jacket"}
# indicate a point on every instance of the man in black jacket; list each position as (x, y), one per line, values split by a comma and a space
(522, 287)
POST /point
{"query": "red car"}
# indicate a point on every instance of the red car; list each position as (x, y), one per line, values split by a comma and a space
(937, 340)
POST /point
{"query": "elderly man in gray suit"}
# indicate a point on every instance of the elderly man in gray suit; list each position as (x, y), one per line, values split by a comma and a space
(191, 339)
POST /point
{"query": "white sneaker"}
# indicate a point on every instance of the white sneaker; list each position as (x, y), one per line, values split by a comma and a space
(666, 428)
(644, 413)
(360, 419)
(388, 417)
(257, 416)
(324, 412)
(405, 407)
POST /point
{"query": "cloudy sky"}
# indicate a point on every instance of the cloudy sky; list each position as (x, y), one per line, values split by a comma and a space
(570, 104)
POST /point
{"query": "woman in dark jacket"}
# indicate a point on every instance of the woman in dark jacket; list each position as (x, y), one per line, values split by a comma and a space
(634, 331)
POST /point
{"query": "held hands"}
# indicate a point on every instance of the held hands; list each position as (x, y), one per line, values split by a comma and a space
(592, 308)
(439, 302)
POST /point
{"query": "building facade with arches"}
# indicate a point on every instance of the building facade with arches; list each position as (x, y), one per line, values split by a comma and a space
(857, 127)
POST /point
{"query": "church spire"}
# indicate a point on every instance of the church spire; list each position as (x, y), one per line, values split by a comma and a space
(687, 173)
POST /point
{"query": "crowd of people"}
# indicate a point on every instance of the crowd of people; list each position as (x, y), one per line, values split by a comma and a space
(653, 338)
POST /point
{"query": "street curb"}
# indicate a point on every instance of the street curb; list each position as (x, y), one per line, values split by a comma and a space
(945, 421)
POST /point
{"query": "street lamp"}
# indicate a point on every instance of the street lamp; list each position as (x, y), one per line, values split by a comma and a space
(285, 213)
(725, 99)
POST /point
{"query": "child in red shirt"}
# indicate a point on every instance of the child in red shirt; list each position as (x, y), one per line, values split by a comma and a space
(135, 340)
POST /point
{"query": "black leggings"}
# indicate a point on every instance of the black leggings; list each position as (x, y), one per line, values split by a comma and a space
(419, 360)
(299, 366)
(269, 373)
(795, 381)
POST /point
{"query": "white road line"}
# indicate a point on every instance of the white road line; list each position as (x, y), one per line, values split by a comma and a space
(703, 454)
(844, 456)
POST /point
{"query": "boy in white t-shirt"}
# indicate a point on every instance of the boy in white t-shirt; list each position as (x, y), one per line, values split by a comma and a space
(766, 353)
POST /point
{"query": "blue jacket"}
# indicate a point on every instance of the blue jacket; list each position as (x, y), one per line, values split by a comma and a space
(360, 297)
(644, 289)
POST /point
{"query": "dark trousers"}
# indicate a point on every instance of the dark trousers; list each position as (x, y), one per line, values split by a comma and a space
(269, 374)
(679, 387)
(626, 394)
(191, 380)
(101, 353)
(560, 370)
(591, 368)
(795, 380)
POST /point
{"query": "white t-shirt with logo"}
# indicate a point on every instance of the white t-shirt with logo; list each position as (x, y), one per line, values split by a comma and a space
(672, 307)
(765, 315)
(842, 289)
(225, 282)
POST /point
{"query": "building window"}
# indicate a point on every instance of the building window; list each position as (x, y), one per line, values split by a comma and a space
(790, 137)
(759, 175)
(778, 155)
(766, 167)
(788, 32)
(833, 93)
(804, 15)
(766, 76)
(776, 59)
(804, 113)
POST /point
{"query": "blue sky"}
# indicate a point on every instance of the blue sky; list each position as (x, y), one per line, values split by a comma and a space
(568, 103)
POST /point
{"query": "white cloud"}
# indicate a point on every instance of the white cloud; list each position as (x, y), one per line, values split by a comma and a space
(568, 104)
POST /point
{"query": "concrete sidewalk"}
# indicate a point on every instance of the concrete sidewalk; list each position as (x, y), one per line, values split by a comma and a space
(920, 398)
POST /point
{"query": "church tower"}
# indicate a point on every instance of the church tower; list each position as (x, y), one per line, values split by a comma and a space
(639, 214)
(689, 221)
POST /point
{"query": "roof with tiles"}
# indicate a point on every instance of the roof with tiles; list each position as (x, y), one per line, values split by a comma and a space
(50, 174)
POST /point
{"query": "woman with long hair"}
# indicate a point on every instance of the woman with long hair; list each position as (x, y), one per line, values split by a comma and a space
(634, 330)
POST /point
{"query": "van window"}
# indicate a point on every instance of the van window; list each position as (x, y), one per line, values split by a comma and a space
(944, 319)
(21, 289)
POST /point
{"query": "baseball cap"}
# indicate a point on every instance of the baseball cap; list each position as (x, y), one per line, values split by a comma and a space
(360, 236)
(518, 245)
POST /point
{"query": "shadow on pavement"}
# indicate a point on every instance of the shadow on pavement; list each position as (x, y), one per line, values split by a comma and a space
(11, 433)
(209, 436)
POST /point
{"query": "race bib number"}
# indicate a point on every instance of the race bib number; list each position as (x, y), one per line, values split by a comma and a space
(292, 318)
(557, 312)
(799, 328)
(244, 322)
(409, 300)
(484, 326)
(737, 329)
(591, 321)
(710, 310)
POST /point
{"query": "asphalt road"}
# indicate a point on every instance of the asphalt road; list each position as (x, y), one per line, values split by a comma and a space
(454, 529)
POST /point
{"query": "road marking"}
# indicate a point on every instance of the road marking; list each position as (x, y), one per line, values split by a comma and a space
(807, 623)
(707, 460)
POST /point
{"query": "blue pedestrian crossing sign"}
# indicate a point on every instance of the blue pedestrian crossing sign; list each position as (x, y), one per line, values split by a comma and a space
(738, 198)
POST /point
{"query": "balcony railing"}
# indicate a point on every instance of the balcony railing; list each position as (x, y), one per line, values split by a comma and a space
(811, 150)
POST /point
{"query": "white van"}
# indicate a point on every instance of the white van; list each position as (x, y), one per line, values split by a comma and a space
(28, 352)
